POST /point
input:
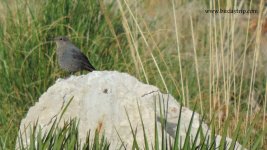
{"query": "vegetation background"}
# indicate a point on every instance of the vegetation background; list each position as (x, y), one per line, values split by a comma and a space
(213, 61)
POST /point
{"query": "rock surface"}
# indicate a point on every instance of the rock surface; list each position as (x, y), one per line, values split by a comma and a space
(101, 99)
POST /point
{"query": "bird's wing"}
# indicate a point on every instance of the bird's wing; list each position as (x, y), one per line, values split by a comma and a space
(83, 59)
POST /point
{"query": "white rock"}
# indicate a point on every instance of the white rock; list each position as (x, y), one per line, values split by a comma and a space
(101, 99)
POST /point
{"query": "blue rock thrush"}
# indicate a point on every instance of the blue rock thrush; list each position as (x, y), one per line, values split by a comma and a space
(70, 58)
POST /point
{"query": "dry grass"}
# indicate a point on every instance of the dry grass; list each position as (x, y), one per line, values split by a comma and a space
(219, 53)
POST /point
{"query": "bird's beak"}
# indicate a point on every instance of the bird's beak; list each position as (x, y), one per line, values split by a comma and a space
(56, 38)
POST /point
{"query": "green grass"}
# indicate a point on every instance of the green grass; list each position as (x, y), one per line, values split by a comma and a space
(201, 62)
(28, 63)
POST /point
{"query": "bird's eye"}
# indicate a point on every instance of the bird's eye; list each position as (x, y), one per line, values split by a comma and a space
(61, 39)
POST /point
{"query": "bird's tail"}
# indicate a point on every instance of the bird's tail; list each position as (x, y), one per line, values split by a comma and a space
(89, 68)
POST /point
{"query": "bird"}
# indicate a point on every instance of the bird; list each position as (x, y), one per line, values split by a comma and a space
(70, 58)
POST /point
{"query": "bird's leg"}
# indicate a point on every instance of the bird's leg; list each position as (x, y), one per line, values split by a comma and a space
(66, 75)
